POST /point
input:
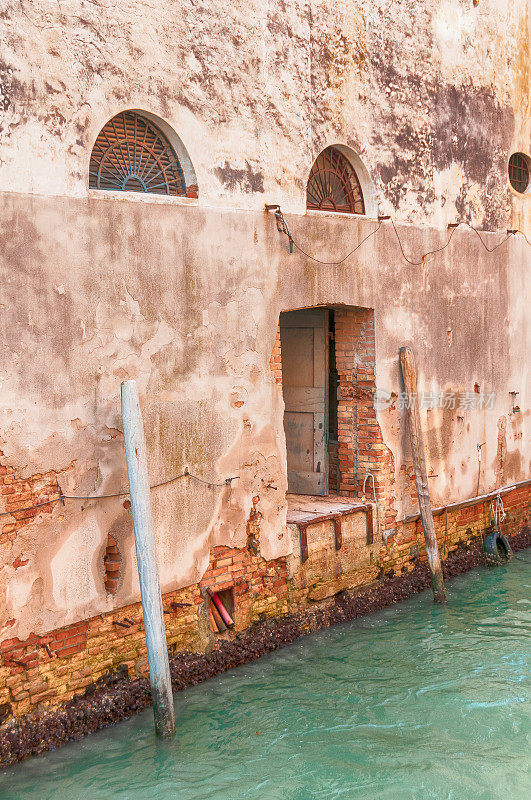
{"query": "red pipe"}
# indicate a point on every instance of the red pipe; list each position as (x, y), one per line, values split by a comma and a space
(225, 616)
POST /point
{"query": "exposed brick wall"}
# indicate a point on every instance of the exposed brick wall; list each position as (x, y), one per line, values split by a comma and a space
(43, 671)
(17, 493)
(456, 526)
(275, 362)
(111, 561)
(334, 472)
(361, 446)
(352, 333)
(259, 586)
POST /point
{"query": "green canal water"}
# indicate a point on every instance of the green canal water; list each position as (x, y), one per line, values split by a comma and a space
(412, 703)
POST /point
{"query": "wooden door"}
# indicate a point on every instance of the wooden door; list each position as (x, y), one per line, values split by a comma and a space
(304, 342)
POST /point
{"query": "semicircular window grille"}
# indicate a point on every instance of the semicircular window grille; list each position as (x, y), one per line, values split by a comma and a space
(519, 172)
(131, 154)
(333, 184)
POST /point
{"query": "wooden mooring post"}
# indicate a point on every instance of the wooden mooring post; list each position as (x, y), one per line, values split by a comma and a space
(407, 364)
(157, 648)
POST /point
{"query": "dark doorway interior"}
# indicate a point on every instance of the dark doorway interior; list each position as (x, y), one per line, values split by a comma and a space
(334, 475)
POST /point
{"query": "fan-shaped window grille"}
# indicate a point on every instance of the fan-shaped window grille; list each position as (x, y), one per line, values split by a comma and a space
(131, 154)
(333, 184)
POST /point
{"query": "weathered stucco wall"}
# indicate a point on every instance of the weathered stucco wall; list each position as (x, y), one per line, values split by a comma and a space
(184, 295)
(187, 301)
(434, 96)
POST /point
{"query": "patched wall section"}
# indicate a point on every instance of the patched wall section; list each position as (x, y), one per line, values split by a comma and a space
(366, 463)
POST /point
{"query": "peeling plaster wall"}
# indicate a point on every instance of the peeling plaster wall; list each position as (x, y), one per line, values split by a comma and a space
(187, 301)
(119, 295)
(184, 295)
(434, 96)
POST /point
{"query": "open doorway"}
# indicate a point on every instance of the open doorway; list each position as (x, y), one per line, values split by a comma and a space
(309, 385)
(324, 362)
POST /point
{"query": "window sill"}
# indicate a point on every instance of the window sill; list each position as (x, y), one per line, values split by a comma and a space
(142, 197)
(316, 213)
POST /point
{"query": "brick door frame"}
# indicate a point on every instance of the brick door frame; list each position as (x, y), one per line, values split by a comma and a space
(361, 447)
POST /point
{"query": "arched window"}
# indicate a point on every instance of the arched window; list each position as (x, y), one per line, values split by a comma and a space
(333, 184)
(132, 154)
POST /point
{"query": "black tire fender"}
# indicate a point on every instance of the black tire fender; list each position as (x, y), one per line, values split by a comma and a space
(497, 548)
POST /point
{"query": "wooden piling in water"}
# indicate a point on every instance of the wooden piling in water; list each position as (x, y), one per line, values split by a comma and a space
(407, 364)
(157, 648)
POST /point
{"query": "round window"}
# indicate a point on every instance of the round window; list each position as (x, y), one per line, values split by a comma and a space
(519, 172)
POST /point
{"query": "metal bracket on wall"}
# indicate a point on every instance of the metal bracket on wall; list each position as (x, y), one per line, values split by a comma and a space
(370, 531)
(304, 542)
(282, 225)
(337, 533)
